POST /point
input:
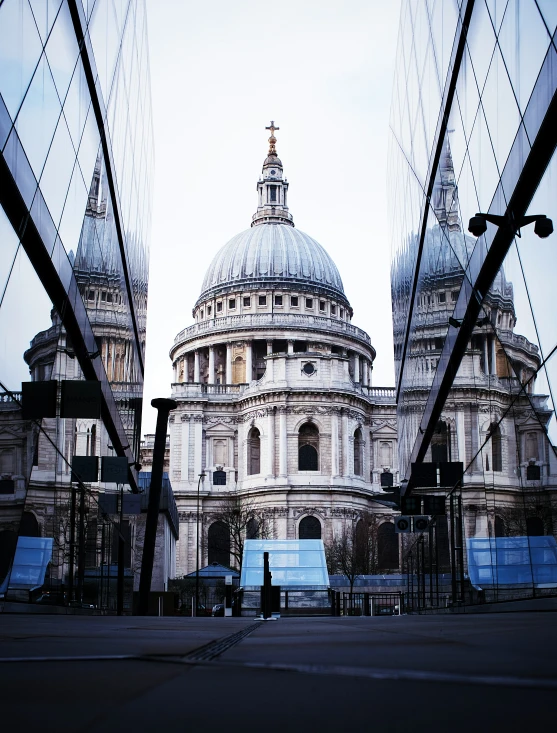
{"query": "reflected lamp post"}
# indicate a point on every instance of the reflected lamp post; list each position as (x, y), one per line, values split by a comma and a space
(201, 477)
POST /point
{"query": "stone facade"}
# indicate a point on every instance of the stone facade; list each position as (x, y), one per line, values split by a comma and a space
(273, 374)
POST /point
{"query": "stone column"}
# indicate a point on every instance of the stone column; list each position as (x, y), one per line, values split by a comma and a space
(271, 443)
(196, 366)
(345, 457)
(184, 468)
(197, 446)
(365, 364)
(228, 363)
(486, 357)
(493, 358)
(211, 379)
(334, 445)
(291, 347)
(357, 377)
(370, 381)
(249, 362)
(283, 444)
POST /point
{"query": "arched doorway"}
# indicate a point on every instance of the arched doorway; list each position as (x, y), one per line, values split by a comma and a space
(387, 547)
(309, 529)
(218, 540)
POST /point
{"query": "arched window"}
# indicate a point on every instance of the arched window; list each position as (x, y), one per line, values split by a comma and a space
(254, 452)
(219, 544)
(239, 371)
(387, 547)
(496, 448)
(358, 453)
(499, 527)
(440, 443)
(385, 454)
(93, 441)
(531, 447)
(534, 527)
(309, 529)
(219, 455)
(29, 527)
(308, 448)
(252, 529)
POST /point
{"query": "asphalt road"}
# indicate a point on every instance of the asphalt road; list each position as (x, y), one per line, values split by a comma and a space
(490, 672)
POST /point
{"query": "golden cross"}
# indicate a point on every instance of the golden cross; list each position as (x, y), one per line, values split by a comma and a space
(272, 128)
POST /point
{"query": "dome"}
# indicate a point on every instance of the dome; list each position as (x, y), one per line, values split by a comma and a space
(272, 160)
(272, 255)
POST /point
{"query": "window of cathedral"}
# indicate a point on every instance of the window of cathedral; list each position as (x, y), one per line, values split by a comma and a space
(278, 299)
(252, 529)
(534, 527)
(232, 304)
(531, 446)
(272, 193)
(219, 306)
(358, 453)
(294, 301)
(454, 295)
(440, 443)
(247, 301)
(333, 310)
(209, 308)
(309, 302)
(254, 452)
(300, 347)
(500, 527)
(201, 313)
(219, 478)
(496, 448)
(218, 540)
(322, 305)
(442, 297)
(91, 295)
(308, 448)
(387, 547)
(341, 314)
(262, 300)
(309, 529)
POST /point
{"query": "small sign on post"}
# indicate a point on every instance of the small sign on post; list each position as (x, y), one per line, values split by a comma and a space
(228, 580)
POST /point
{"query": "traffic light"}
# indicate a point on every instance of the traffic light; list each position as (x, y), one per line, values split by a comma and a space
(403, 525)
(421, 523)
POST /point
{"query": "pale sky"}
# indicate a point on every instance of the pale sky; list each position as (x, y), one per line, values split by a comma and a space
(220, 71)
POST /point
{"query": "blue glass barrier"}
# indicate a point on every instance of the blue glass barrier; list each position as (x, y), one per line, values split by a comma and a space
(511, 561)
(31, 558)
(293, 564)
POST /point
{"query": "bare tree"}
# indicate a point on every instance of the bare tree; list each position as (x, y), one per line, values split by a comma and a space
(243, 519)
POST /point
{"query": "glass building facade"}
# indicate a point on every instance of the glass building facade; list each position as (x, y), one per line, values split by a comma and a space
(76, 169)
(474, 130)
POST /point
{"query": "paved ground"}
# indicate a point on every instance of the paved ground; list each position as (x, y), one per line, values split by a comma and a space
(411, 673)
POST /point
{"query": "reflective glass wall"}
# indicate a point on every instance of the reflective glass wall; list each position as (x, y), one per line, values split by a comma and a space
(76, 170)
(473, 125)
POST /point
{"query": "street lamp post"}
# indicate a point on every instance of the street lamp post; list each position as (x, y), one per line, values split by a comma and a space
(201, 477)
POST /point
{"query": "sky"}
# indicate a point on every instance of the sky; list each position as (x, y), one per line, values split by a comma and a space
(220, 71)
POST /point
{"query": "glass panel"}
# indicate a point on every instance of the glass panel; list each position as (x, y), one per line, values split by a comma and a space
(44, 12)
(21, 48)
(41, 103)
(58, 171)
(62, 51)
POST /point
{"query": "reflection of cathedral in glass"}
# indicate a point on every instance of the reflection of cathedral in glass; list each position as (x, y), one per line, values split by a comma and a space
(473, 333)
(76, 167)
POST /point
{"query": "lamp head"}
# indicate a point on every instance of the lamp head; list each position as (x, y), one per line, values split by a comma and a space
(543, 227)
(477, 226)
